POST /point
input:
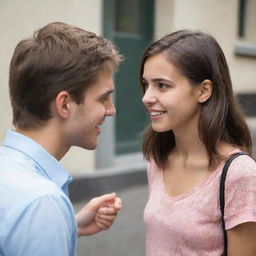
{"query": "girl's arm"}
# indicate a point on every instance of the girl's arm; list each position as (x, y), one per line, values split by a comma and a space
(242, 240)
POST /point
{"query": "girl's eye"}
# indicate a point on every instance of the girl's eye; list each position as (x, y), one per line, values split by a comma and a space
(145, 85)
(163, 86)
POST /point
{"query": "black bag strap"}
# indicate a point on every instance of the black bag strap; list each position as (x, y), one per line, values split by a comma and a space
(222, 196)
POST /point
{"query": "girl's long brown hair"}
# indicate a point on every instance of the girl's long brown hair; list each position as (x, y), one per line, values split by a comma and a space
(199, 57)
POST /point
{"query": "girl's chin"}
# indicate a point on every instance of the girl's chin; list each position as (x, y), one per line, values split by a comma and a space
(160, 129)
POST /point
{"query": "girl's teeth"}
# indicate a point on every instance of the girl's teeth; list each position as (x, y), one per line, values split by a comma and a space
(156, 113)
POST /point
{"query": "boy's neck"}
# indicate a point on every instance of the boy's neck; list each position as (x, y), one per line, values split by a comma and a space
(49, 137)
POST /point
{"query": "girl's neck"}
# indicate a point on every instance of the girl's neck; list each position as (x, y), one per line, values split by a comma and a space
(188, 143)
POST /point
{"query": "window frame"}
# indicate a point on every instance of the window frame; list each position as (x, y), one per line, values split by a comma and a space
(242, 47)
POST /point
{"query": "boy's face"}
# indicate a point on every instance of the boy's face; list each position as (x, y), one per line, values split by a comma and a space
(87, 117)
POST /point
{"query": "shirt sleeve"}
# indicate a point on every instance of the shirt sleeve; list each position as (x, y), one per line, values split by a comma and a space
(45, 227)
(240, 192)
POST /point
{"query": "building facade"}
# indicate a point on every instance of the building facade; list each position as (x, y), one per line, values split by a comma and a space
(132, 25)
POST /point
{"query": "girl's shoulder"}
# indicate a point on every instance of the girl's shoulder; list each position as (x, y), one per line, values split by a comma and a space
(152, 169)
(151, 164)
(241, 165)
(240, 192)
(241, 168)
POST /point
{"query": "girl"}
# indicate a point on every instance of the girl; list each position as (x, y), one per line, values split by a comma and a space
(196, 125)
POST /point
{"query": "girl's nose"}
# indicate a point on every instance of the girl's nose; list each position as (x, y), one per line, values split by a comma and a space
(149, 97)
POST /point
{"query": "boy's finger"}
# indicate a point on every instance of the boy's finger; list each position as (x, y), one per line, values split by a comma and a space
(107, 211)
(105, 217)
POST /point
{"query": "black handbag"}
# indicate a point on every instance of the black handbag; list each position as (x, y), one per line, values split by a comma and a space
(222, 197)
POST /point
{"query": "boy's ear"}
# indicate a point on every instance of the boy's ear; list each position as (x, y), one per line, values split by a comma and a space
(63, 104)
(205, 91)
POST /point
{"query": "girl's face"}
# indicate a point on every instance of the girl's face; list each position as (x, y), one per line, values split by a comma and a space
(171, 100)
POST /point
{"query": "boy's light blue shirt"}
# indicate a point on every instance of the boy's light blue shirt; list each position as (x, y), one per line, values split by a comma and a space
(36, 215)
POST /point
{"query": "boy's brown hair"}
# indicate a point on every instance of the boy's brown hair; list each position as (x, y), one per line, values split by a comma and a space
(58, 57)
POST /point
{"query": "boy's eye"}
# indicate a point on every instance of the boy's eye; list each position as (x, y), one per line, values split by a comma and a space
(104, 99)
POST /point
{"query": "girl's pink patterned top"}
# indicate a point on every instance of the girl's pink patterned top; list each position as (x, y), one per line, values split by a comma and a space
(190, 224)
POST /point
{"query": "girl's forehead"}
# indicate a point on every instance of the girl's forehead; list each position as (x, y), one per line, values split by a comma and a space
(159, 65)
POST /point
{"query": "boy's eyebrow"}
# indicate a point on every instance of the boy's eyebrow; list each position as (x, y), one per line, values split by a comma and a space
(106, 94)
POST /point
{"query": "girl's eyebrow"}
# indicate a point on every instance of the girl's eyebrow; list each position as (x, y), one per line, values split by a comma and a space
(158, 80)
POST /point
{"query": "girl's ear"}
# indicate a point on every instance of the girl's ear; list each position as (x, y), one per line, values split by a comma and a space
(205, 91)
(63, 104)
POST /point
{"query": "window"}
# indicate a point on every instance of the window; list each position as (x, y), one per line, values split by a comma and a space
(246, 46)
(128, 16)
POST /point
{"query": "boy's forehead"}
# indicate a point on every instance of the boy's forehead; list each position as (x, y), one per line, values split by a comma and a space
(103, 84)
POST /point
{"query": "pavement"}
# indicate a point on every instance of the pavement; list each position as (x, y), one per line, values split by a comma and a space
(126, 237)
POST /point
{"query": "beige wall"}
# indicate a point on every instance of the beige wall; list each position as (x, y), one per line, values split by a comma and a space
(18, 19)
(251, 21)
(217, 17)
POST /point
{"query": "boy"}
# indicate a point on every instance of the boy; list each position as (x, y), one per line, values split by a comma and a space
(60, 87)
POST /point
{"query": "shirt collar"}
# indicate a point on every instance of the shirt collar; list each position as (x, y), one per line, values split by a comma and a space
(49, 165)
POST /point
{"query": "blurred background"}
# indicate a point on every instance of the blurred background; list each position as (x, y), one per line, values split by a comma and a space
(117, 164)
